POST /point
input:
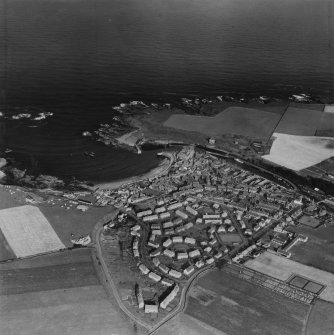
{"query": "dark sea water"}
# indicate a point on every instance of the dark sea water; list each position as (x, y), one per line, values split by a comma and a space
(78, 58)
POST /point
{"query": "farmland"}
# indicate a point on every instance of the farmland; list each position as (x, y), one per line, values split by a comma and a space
(72, 311)
(243, 308)
(326, 125)
(299, 121)
(319, 249)
(321, 321)
(58, 294)
(299, 152)
(6, 251)
(283, 269)
(63, 270)
(27, 231)
(233, 120)
(67, 222)
(185, 325)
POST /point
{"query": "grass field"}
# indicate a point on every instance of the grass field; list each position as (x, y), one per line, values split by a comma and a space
(6, 251)
(299, 121)
(28, 232)
(8, 200)
(67, 222)
(319, 249)
(321, 320)
(329, 109)
(326, 125)
(69, 311)
(299, 152)
(77, 255)
(49, 272)
(233, 120)
(186, 325)
(243, 308)
(283, 268)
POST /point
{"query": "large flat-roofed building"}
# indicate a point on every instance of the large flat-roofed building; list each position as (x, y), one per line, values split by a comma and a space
(28, 232)
(170, 297)
(151, 308)
(175, 274)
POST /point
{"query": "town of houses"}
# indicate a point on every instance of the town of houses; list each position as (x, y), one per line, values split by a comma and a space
(205, 211)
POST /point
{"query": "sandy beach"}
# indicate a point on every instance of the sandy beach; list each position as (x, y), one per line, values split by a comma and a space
(161, 169)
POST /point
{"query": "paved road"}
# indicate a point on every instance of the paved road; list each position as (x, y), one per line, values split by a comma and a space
(111, 285)
(183, 300)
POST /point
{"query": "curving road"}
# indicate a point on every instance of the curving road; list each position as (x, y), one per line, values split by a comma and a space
(112, 289)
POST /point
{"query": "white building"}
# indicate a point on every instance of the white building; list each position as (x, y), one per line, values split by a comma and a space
(182, 255)
(177, 239)
(150, 218)
(194, 253)
(190, 241)
(169, 253)
(170, 297)
(174, 206)
(154, 276)
(164, 268)
(175, 274)
(181, 214)
(189, 270)
(143, 268)
(160, 210)
(151, 308)
(144, 213)
(191, 211)
(167, 243)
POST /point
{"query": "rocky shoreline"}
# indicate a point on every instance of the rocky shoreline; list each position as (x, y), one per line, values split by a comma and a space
(124, 132)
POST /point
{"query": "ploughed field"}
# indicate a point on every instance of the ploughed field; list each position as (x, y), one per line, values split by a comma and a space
(300, 152)
(58, 294)
(237, 307)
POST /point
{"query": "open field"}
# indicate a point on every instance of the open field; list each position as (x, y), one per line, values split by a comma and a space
(299, 152)
(326, 125)
(329, 109)
(186, 325)
(319, 249)
(73, 311)
(77, 255)
(28, 232)
(6, 251)
(233, 120)
(48, 272)
(8, 200)
(67, 222)
(283, 268)
(130, 139)
(243, 308)
(47, 278)
(321, 321)
(299, 121)
(315, 107)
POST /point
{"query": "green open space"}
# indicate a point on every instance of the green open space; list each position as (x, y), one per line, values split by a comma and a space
(72, 268)
(326, 125)
(299, 121)
(233, 120)
(47, 278)
(6, 251)
(243, 308)
(67, 222)
(66, 311)
(321, 320)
